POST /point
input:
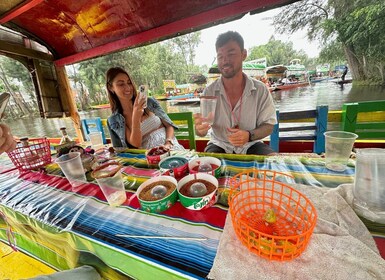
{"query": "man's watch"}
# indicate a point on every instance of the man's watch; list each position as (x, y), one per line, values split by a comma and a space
(251, 135)
(170, 141)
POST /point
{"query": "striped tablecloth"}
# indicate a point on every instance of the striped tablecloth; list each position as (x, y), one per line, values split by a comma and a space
(67, 229)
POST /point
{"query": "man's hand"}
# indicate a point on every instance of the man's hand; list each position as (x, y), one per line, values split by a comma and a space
(238, 137)
(7, 143)
(201, 128)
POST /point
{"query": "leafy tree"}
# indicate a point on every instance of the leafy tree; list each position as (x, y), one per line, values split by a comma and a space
(277, 52)
(356, 25)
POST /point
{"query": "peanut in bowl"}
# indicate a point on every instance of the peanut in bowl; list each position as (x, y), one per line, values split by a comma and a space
(198, 191)
(157, 194)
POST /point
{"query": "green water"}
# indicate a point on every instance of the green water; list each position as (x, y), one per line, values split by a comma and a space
(303, 98)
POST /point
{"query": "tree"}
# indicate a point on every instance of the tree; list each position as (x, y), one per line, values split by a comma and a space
(356, 25)
(277, 52)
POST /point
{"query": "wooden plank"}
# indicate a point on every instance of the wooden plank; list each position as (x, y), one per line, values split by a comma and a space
(297, 115)
(372, 126)
(20, 50)
(298, 128)
(371, 134)
(371, 106)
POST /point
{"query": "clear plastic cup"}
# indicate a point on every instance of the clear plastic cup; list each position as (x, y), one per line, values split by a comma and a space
(96, 139)
(338, 146)
(369, 188)
(109, 178)
(72, 167)
(208, 105)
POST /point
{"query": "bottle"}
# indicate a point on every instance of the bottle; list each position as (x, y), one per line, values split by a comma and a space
(65, 138)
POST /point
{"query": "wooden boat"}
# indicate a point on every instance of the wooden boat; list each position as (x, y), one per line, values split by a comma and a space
(291, 85)
(47, 45)
(101, 106)
(162, 97)
(346, 81)
(320, 79)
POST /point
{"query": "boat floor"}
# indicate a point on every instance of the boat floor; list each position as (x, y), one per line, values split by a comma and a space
(17, 265)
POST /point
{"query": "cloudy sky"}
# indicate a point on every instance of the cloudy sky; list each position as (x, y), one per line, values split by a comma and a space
(256, 30)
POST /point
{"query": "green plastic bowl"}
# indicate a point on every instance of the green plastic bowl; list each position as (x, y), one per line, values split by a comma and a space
(162, 204)
(194, 164)
(198, 203)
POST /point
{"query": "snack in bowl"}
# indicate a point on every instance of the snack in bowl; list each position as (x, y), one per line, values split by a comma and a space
(157, 194)
(155, 155)
(209, 165)
(198, 191)
(174, 166)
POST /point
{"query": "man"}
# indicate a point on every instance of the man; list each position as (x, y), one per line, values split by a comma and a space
(7, 143)
(344, 73)
(245, 111)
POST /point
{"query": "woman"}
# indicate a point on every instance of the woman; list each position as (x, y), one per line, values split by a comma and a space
(130, 124)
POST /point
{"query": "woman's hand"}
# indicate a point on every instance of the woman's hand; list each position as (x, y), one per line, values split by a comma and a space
(201, 128)
(137, 111)
(7, 143)
(168, 146)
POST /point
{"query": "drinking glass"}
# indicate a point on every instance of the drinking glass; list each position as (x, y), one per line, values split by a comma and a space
(72, 167)
(339, 145)
(208, 105)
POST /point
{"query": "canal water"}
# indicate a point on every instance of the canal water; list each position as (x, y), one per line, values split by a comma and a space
(303, 98)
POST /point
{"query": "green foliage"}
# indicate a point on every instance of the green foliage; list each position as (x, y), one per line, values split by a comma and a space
(354, 29)
(277, 52)
(150, 65)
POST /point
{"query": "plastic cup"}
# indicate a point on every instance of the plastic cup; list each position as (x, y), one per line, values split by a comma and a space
(339, 145)
(72, 167)
(208, 105)
(110, 181)
(369, 188)
(96, 139)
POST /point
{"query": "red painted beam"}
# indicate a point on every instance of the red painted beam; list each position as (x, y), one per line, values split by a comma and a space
(18, 10)
(187, 24)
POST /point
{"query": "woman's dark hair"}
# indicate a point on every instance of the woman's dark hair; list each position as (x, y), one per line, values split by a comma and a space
(113, 98)
(224, 38)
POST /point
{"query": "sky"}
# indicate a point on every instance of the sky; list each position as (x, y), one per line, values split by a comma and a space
(256, 30)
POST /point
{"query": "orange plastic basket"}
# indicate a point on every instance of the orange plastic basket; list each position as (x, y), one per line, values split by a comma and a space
(36, 155)
(257, 193)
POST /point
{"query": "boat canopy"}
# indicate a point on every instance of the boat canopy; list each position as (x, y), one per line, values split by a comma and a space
(72, 31)
(276, 70)
(46, 35)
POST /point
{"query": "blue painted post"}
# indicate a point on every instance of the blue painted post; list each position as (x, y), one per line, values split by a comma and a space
(321, 123)
(274, 137)
(91, 125)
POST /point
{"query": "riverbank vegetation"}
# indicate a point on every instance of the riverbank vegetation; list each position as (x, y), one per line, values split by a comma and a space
(350, 30)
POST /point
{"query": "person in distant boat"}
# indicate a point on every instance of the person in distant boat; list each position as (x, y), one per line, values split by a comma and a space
(285, 81)
(245, 111)
(131, 125)
(7, 142)
(344, 73)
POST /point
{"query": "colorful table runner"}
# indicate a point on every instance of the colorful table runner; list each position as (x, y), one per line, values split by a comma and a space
(67, 229)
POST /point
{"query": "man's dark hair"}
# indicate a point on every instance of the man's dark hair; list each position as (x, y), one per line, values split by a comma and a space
(224, 38)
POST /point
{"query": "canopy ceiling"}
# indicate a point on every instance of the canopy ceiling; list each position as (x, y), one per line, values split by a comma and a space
(75, 30)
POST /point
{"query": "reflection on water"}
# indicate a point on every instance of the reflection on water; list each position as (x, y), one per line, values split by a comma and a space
(303, 98)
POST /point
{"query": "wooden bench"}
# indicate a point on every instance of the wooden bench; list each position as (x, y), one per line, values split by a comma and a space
(319, 117)
(364, 129)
